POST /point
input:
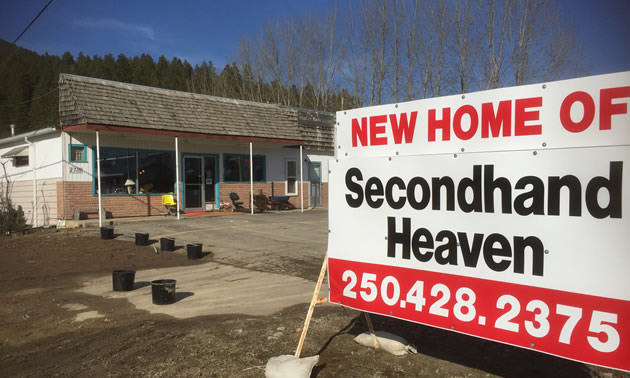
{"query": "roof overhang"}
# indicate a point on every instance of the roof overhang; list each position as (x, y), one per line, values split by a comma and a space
(30, 134)
(183, 134)
(16, 152)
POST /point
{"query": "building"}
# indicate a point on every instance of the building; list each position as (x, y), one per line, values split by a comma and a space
(146, 137)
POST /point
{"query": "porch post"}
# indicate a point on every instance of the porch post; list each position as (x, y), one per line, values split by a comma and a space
(98, 179)
(35, 214)
(177, 174)
(251, 178)
(301, 181)
(34, 170)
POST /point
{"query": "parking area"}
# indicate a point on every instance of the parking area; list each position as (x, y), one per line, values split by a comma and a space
(284, 242)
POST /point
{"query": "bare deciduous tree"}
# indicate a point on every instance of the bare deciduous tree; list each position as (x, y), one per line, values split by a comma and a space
(386, 50)
(465, 37)
(496, 32)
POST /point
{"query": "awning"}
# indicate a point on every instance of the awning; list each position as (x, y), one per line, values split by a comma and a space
(16, 152)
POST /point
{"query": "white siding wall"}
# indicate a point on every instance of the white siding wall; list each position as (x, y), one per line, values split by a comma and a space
(324, 159)
(22, 195)
(48, 163)
(48, 158)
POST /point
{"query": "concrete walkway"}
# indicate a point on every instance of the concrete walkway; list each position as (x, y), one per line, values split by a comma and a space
(211, 289)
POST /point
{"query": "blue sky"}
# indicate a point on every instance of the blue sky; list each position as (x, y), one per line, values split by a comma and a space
(198, 30)
(192, 30)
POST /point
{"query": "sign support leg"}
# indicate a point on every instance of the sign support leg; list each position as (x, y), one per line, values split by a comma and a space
(369, 323)
(314, 301)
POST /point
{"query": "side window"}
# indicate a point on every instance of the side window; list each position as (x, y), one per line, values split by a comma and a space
(19, 156)
(20, 161)
(291, 184)
(78, 153)
(236, 168)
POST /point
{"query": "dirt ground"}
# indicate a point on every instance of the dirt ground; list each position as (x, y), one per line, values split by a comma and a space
(41, 334)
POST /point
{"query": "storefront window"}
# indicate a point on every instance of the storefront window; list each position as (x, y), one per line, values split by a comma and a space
(126, 171)
(156, 172)
(236, 168)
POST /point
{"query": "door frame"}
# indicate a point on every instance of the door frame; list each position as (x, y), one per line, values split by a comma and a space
(184, 155)
(310, 194)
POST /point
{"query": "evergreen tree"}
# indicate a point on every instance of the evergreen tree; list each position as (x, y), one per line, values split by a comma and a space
(123, 71)
(109, 67)
(29, 97)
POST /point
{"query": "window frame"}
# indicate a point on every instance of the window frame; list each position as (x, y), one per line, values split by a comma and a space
(71, 160)
(226, 155)
(286, 183)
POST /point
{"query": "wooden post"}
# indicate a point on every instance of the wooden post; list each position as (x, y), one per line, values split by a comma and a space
(251, 179)
(98, 179)
(314, 301)
(179, 203)
(369, 323)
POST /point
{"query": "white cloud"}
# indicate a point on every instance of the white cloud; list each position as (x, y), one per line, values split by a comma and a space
(108, 23)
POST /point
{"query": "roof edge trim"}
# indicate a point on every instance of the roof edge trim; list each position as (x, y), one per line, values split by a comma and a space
(185, 134)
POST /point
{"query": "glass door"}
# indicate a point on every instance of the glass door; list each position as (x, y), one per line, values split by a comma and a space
(316, 183)
(193, 183)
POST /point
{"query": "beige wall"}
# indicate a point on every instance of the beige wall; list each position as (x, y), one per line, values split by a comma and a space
(22, 194)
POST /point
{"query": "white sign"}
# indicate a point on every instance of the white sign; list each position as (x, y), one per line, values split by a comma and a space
(584, 112)
(523, 245)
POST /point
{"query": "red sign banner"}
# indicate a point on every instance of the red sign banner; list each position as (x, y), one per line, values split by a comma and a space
(575, 326)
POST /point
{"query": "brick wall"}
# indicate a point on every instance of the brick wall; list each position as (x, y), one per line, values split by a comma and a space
(269, 189)
(73, 195)
(79, 195)
(325, 195)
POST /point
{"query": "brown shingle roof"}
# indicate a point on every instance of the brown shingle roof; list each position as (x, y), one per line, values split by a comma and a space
(84, 100)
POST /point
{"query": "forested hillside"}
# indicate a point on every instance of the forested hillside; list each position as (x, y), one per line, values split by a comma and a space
(28, 82)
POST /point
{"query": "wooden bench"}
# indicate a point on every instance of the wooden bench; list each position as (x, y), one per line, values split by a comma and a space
(81, 213)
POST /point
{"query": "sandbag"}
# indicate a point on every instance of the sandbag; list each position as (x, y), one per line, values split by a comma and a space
(287, 366)
(390, 343)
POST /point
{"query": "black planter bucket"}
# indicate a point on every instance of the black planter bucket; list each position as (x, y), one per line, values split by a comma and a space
(142, 238)
(193, 250)
(167, 244)
(163, 291)
(107, 233)
(123, 280)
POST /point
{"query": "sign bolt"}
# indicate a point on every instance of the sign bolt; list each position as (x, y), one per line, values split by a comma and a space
(535, 153)
(463, 97)
(462, 149)
(544, 144)
(544, 86)
(454, 155)
(531, 345)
